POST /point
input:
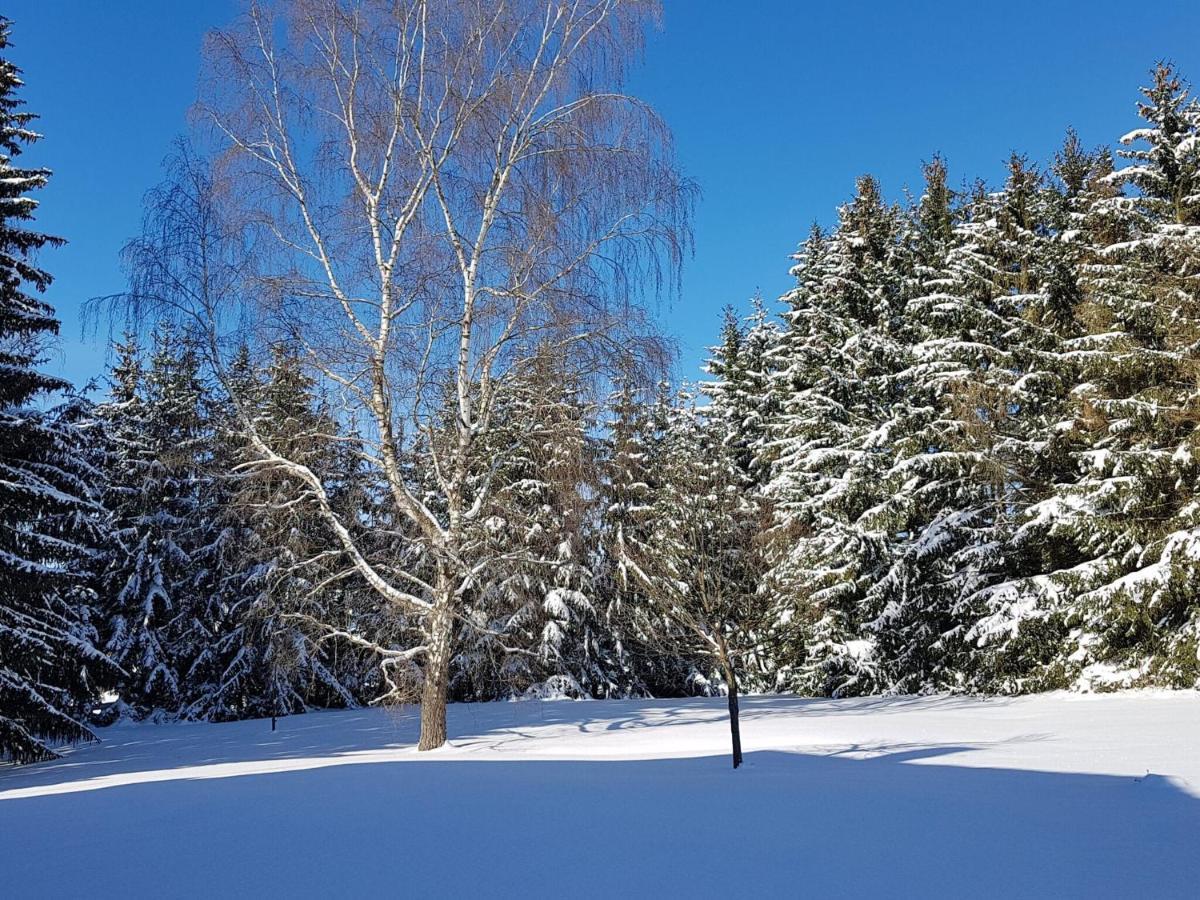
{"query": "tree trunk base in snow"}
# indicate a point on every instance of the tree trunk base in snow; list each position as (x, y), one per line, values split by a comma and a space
(437, 682)
(735, 728)
(433, 719)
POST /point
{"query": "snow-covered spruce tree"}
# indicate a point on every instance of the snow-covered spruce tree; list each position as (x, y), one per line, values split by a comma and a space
(160, 584)
(50, 668)
(85, 527)
(835, 367)
(535, 628)
(741, 403)
(806, 420)
(283, 602)
(738, 387)
(1127, 522)
(981, 379)
(633, 475)
(1023, 616)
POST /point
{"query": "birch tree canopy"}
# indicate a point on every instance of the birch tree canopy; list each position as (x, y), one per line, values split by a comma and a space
(441, 192)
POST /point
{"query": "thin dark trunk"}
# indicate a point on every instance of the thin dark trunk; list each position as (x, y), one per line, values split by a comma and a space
(735, 728)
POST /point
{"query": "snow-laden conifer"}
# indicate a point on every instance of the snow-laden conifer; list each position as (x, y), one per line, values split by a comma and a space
(50, 668)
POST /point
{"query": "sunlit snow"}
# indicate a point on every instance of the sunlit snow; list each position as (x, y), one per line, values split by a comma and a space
(1052, 795)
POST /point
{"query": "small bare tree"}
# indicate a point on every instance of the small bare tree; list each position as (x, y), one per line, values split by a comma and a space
(438, 191)
(700, 569)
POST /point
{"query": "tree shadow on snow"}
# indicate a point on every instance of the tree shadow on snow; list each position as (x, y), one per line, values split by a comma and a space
(897, 823)
(478, 722)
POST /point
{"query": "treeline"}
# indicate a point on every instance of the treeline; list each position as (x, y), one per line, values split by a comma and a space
(191, 582)
(961, 457)
(974, 430)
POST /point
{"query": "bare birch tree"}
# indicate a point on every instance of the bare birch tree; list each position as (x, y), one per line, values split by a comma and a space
(440, 191)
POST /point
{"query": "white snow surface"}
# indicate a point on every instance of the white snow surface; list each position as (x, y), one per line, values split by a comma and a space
(1057, 795)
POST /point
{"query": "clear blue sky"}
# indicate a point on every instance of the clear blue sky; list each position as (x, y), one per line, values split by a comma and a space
(777, 105)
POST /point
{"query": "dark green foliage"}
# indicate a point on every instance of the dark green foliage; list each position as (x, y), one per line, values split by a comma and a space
(965, 456)
(983, 458)
(50, 523)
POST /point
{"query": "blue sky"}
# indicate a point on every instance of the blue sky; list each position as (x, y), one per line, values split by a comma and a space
(777, 106)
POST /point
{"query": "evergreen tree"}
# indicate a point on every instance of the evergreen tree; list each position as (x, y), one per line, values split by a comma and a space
(536, 627)
(741, 402)
(960, 473)
(160, 582)
(836, 366)
(634, 474)
(1022, 624)
(50, 668)
(1126, 521)
(265, 656)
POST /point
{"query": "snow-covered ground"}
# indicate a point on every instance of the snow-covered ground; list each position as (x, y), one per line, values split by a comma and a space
(1057, 795)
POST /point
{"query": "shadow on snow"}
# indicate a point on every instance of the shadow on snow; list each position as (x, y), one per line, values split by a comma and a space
(787, 824)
